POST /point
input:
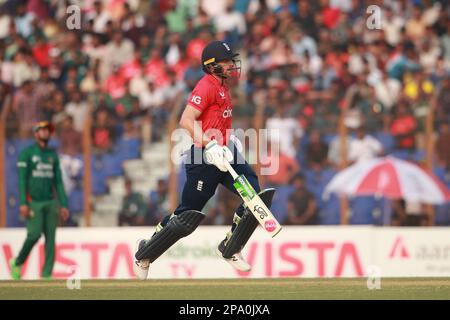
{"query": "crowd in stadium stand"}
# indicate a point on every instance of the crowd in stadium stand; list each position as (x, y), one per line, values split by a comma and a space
(303, 62)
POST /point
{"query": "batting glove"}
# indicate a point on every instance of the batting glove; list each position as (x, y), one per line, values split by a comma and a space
(227, 154)
(214, 154)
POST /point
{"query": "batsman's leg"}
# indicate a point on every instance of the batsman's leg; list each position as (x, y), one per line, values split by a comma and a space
(244, 224)
(200, 186)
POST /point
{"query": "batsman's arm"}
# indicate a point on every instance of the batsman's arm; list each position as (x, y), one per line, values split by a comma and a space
(189, 122)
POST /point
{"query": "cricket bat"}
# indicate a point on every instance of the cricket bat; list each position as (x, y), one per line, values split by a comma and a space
(254, 202)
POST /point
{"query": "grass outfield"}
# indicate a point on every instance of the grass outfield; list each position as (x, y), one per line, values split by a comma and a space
(235, 289)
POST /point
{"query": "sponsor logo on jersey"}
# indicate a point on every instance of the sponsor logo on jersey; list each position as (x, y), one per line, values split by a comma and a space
(227, 113)
(196, 99)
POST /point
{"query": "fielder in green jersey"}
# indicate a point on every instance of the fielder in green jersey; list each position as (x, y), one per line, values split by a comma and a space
(39, 179)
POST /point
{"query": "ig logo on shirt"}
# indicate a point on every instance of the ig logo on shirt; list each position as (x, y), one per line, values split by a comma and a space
(196, 99)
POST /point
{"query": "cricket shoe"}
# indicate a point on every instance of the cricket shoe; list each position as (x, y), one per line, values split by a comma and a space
(15, 269)
(237, 261)
(140, 267)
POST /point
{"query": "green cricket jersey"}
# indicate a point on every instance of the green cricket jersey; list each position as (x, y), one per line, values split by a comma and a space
(40, 175)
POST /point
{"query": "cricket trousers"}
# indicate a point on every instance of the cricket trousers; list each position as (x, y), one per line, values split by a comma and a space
(202, 180)
(43, 219)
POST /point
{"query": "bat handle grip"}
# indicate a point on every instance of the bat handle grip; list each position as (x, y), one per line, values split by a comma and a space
(231, 170)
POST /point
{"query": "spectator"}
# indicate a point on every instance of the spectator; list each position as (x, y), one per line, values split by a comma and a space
(392, 26)
(443, 101)
(77, 109)
(24, 68)
(316, 150)
(443, 145)
(151, 98)
(117, 52)
(364, 147)
(231, 22)
(403, 128)
(280, 166)
(335, 156)
(301, 205)
(99, 16)
(415, 27)
(24, 20)
(159, 203)
(25, 105)
(124, 105)
(103, 132)
(387, 91)
(288, 128)
(70, 139)
(133, 207)
(408, 213)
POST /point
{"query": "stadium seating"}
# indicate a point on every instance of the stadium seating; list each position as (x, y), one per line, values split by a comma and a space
(128, 148)
(362, 209)
(386, 140)
(330, 212)
(75, 200)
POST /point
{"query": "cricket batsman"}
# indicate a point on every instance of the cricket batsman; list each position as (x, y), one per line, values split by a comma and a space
(207, 117)
(39, 178)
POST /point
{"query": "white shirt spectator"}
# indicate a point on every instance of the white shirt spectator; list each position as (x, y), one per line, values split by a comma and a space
(305, 43)
(24, 71)
(364, 149)
(392, 29)
(116, 55)
(151, 98)
(387, 91)
(431, 14)
(120, 53)
(24, 24)
(138, 84)
(254, 6)
(173, 55)
(100, 20)
(312, 66)
(229, 21)
(7, 71)
(428, 58)
(5, 21)
(334, 150)
(288, 129)
(213, 8)
(94, 52)
(344, 5)
(70, 168)
(78, 111)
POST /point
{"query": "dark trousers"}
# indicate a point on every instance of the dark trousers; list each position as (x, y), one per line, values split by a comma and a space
(202, 180)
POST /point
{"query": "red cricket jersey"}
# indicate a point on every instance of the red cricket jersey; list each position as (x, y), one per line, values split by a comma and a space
(214, 101)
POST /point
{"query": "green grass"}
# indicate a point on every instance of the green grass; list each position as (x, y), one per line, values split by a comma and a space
(233, 289)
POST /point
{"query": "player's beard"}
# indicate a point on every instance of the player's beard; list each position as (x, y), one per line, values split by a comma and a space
(44, 140)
